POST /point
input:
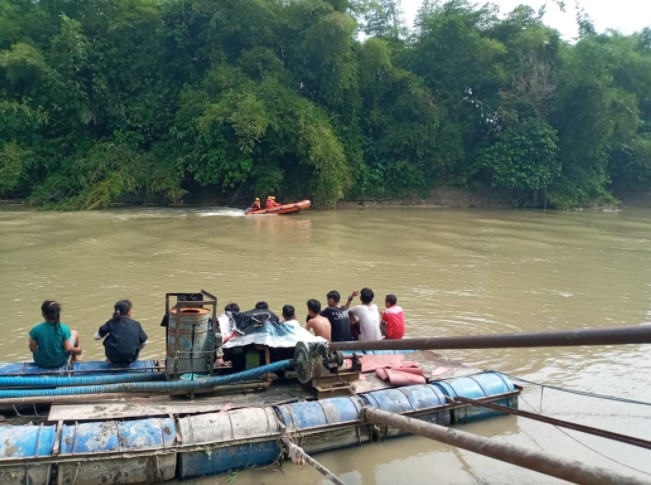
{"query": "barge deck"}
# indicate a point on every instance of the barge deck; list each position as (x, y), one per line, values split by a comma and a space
(125, 439)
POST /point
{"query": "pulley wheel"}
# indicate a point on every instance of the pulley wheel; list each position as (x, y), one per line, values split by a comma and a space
(303, 363)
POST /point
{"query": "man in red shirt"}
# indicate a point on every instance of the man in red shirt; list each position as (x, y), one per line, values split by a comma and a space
(393, 319)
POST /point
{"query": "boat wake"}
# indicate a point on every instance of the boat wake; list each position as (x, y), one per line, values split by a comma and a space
(219, 211)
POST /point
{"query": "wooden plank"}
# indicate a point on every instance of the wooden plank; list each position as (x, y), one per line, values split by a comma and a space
(165, 405)
(91, 412)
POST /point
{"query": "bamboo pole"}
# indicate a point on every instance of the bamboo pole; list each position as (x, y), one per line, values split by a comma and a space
(594, 336)
(298, 455)
(570, 470)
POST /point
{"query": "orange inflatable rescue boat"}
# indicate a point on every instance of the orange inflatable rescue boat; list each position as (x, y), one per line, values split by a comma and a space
(281, 209)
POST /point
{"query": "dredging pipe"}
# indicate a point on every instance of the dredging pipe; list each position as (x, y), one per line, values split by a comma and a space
(39, 381)
(566, 338)
(570, 470)
(140, 387)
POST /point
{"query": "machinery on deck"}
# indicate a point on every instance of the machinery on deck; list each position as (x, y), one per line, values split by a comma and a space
(192, 334)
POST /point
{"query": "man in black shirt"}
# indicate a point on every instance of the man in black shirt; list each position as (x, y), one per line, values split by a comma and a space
(338, 317)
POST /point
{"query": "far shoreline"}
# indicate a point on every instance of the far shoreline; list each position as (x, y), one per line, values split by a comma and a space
(442, 197)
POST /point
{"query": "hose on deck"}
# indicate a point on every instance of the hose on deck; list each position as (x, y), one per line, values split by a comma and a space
(40, 381)
(151, 386)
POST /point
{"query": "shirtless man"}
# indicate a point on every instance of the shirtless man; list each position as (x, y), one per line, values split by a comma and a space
(318, 324)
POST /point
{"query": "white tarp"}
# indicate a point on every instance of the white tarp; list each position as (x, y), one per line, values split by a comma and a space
(275, 335)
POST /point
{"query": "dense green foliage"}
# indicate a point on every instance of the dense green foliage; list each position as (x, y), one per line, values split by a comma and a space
(107, 100)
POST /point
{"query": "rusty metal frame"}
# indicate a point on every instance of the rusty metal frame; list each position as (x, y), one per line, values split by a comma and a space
(207, 299)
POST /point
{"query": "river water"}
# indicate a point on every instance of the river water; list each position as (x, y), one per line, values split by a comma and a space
(455, 272)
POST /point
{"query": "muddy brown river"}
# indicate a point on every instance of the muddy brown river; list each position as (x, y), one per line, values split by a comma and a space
(455, 272)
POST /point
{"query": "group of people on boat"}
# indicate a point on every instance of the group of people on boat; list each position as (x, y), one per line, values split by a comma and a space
(341, 323)
(270, 203)
(52, 342)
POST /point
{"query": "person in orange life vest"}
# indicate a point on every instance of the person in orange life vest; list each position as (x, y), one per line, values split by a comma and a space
(256, 205)
(393, 319)
(269, 203)
(276, 204)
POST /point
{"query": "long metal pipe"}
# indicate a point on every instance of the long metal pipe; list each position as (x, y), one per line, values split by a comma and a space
(570, 470)
(592, 336)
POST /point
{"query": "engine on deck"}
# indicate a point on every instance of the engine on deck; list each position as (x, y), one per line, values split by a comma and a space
(192, 334)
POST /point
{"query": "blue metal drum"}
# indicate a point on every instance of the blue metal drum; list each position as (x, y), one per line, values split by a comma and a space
(420, 401)
(326, 424)
(218, 442)
(478, 386)
(105, 436)
(26, 442)
(145, 441)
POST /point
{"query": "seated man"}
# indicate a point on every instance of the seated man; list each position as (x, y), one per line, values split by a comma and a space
(269, 203)
(260, 336)
(256, 204)
(367, 314)
(289, 316)
(317, 323)
(226, 321)
(338, 317)
(393, 319)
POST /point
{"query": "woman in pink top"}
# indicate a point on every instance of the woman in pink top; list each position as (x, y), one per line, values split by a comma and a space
(393, 319)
